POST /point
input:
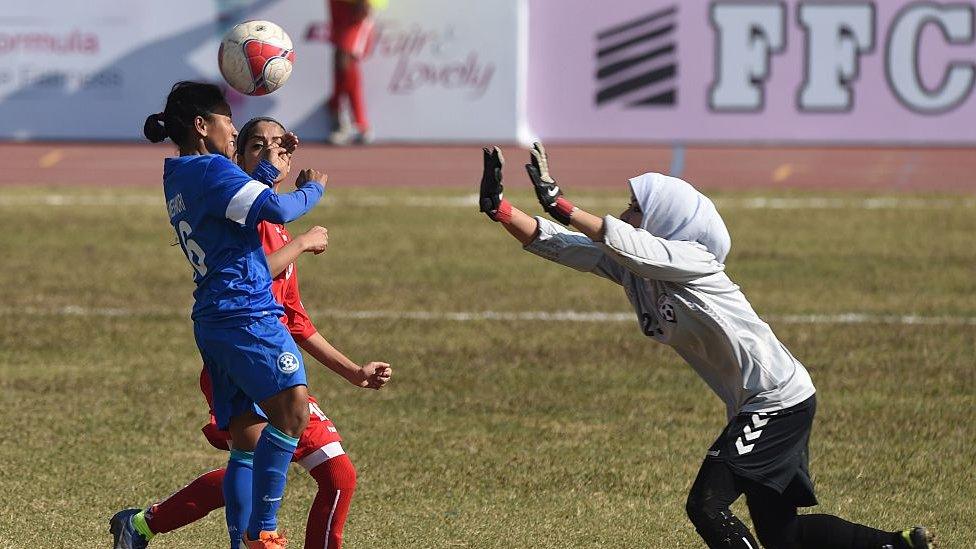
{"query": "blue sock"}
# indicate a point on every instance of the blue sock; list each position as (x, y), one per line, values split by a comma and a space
(237, 494)
(271, 459)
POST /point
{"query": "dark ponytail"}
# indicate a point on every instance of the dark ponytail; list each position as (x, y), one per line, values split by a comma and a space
(185, 102)
(154, 130)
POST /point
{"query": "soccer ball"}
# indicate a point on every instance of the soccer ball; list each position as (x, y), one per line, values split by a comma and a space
(256, 57)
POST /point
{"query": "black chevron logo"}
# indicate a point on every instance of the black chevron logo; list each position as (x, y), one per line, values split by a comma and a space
(637, 61)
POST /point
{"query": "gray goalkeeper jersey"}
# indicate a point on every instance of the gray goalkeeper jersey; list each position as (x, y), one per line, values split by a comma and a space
(683, 298)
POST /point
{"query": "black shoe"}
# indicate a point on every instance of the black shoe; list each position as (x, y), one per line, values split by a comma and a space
(918, 537)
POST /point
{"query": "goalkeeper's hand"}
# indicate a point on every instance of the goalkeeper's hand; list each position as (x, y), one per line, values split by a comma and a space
(546, 190)
(492, 200)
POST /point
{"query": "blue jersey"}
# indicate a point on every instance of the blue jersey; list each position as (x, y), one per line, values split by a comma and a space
(213, 206)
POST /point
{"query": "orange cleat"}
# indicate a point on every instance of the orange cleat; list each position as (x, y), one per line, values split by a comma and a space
(266, 540)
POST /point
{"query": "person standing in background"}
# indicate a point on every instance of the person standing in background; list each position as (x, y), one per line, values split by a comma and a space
(351, 32)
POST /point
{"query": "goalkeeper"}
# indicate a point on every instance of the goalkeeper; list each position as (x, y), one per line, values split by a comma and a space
(667, 250)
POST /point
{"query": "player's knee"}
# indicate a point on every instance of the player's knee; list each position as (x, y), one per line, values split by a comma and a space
(714, 523)
(288, 410)
(351, 475)
(698, 511)
(344, 475)
(776, 536)
(294, 421)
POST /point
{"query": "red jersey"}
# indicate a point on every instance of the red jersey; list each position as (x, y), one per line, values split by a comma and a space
(284, 287)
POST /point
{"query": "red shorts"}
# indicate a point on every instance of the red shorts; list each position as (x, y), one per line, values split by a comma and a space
(351, 32)
(319, 442)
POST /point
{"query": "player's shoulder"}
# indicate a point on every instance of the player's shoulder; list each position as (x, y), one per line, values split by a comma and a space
(183, 168)
(219, 165)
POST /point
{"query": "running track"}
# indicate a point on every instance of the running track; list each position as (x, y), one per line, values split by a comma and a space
(862, 169)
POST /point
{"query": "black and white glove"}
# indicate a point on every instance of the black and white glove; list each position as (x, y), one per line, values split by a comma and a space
(492, 201)
(546, 190)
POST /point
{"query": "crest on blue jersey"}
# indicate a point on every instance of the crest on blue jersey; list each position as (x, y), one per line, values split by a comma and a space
(288, 363)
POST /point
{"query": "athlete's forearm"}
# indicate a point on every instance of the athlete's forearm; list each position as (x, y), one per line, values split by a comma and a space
(333, 359)
(285, 208)
(588, 224)
(284, 256)
(522, 226)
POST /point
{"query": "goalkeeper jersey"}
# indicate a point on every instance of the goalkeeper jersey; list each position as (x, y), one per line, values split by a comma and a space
(684, 299)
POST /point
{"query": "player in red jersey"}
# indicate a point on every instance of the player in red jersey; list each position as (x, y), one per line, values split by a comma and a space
(319, 448)
(351, 32)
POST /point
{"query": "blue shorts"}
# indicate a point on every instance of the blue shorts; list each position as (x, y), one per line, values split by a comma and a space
(248, 364)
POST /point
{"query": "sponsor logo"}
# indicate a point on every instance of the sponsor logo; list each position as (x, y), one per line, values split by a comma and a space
(750, 433)
(76, 42)
(266, 499)
(637, 61)
(288, 363)
(650, 325)
(749, 36)
(665, 306)
(425, 57)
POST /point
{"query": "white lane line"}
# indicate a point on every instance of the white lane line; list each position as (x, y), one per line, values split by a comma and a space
(108, 312)
(813, 203)
(862, 318)
(471, 201)
(515, 316)
(592, 316)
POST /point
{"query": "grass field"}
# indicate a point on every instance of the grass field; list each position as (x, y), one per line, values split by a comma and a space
(493, 433)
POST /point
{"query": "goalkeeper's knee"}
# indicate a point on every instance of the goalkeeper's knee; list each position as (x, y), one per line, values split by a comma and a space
(719, 527)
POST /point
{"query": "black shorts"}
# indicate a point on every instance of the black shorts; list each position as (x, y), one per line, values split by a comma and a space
(772, 449)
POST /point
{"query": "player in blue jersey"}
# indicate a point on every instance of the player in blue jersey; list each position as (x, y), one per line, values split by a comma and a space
(252, 360)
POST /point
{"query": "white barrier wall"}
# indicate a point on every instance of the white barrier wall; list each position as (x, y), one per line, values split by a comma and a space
(441, 70)
(792, 71)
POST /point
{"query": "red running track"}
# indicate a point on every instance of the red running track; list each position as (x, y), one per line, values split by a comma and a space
(575, 166)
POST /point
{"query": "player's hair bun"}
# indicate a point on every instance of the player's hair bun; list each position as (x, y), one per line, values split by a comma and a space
(154, 129)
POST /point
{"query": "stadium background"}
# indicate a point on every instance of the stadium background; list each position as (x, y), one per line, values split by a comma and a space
(837, 139)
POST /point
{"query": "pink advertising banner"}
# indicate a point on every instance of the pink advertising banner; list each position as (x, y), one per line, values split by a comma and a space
(891, 71)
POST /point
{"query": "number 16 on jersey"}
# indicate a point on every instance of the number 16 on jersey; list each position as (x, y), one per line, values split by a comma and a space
(194, 253)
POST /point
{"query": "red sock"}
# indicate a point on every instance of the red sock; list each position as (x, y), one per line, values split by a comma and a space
(190, 504)
(357, 101)
(337, 482)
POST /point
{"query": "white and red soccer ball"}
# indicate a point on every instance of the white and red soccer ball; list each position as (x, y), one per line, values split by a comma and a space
(256, 57)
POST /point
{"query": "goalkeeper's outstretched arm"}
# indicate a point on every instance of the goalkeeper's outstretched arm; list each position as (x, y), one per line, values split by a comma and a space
(520, 225)
(541, 236)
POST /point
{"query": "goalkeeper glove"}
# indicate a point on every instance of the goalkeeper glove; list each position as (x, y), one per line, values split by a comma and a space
(492, 201)
(546, 190)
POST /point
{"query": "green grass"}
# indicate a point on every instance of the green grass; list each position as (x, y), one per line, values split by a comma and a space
(492, 434)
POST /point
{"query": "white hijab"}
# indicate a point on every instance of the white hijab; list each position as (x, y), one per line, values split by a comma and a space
(674, 210)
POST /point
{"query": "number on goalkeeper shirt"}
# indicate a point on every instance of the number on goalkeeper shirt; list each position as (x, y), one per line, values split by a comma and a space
(194, 253)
